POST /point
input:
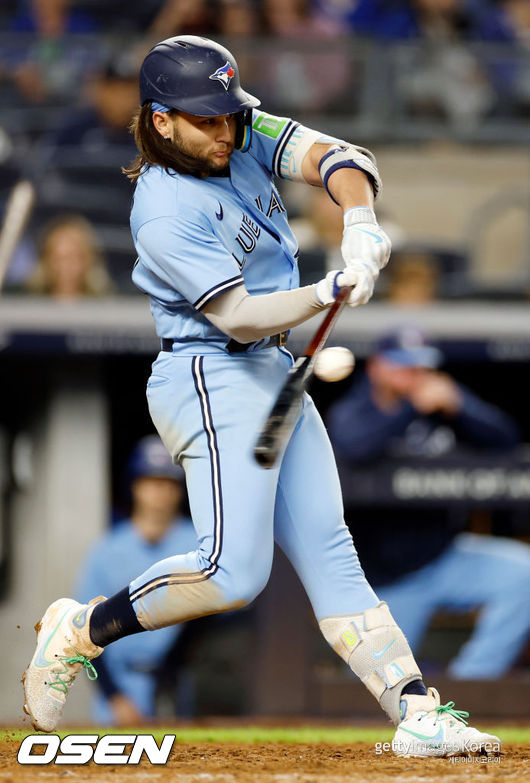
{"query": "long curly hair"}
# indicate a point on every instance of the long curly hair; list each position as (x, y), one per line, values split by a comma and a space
(155, 150)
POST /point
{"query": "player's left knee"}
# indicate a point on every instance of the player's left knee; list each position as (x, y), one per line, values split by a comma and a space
(375, 648)
(246, 584)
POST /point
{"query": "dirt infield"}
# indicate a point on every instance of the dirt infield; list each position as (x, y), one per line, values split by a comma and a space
(278, 763)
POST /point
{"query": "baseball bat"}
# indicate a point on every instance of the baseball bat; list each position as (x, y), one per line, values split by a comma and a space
(283, 413)
(16, 214)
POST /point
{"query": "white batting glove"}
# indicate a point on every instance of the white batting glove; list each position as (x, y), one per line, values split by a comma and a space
(326, 290)
(364, 242)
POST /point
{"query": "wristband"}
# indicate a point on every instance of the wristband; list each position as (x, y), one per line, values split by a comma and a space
(359, 215)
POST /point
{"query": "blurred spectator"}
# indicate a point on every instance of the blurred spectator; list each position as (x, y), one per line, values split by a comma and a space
(80, 159)
(70, 264)
(422, 562)
(298, 77)
(51, 18)
(238, 18)
(295, 19)
(182, 17)
(336, 12)
(123, 17)
(412, 278)
(447, 82)
(507, 21)
(443, 78)
(156, 529)
(53, 66)
(111, 98)
(405, 19)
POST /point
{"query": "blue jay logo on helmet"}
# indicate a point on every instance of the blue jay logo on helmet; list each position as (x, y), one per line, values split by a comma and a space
(224, 74)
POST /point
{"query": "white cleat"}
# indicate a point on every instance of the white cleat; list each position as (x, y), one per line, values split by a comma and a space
(433, 729)
(64, 648)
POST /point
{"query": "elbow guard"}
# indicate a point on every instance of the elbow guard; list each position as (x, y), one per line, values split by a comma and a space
(346, 156)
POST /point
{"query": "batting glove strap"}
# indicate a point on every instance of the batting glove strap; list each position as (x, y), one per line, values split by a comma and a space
(359, 215)
(360, 277)
(352, 157)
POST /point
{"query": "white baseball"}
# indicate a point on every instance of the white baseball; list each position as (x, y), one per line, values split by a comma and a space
(334, 364)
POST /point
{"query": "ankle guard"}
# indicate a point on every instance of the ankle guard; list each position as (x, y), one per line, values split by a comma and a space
(375, 649)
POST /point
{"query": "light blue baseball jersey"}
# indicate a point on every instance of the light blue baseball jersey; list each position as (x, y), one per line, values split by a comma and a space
(197, 238)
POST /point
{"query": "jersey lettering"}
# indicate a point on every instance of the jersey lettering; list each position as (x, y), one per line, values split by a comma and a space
(275, 205)
(248, 234)
(240, 264)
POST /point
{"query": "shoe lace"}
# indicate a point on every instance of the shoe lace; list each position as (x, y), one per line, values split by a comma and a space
(448, 709)
(64, 678)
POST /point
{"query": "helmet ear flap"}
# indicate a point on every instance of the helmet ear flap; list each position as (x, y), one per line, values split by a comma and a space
(243, 130)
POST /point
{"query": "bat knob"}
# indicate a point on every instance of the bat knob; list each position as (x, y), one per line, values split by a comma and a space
(264, 456)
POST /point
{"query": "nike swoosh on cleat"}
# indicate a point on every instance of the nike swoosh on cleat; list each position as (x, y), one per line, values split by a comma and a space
(377, 238)
(435, 740)
(40, 659)
(383, 651)
(219, 215)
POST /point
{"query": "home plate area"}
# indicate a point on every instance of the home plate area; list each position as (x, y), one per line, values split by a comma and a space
(276, 762)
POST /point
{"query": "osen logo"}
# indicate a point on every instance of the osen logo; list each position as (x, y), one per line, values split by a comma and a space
(81, 748)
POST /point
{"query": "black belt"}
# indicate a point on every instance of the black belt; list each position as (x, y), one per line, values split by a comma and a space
(166, 343)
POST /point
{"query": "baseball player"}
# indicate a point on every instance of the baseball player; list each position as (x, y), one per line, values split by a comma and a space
(219, 262)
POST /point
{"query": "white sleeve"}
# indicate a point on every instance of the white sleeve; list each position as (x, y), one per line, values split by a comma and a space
(341, 154)
(297, 147)
(247, 318)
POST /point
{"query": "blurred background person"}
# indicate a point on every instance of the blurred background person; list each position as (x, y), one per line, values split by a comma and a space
(443, 77)
(299, 77)
(102, 121)
(52, 64)
(413, 279)
(508, 22)
(69, 264)
(79, 159)
(420, 560)
(157, 528)
(409, 19)
(238, 18)
(296, 19)
(182, 17)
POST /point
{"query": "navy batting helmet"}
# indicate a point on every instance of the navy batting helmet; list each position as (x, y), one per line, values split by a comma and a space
(198, 76)
(150, 458)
